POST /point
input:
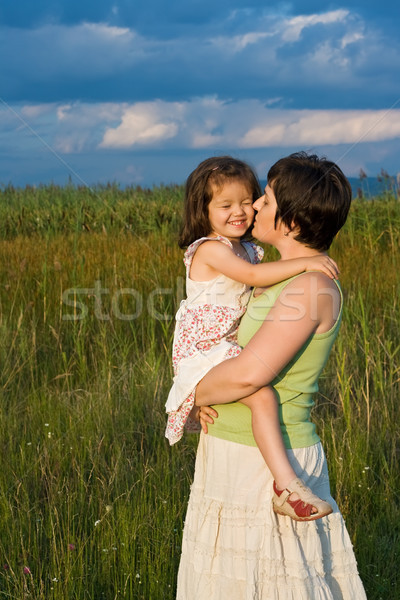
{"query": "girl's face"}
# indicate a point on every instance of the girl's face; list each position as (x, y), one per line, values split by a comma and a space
(264, 223)
(230, 211)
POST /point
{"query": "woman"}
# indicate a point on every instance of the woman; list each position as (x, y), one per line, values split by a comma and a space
(234, 546)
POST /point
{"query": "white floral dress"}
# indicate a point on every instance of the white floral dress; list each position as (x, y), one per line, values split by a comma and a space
(205, 334)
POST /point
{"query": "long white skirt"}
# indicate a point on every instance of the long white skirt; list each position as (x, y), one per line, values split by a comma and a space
(236, 548)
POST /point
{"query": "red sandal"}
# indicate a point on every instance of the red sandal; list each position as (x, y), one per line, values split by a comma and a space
(299, 510)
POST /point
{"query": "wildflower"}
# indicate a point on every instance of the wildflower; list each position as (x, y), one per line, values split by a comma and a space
(27, 570)
(108, 507)
(71, 547)
(6, 567)
(96, 523)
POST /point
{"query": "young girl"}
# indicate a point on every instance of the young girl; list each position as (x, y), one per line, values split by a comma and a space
(221, 266)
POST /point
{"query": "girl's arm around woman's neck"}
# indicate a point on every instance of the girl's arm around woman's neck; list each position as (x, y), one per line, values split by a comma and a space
(309, 304)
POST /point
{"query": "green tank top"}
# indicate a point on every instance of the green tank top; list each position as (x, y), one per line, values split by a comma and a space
(294, 387)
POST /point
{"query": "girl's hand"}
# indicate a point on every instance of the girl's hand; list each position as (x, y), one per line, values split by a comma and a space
(321, 262)
(207, 415)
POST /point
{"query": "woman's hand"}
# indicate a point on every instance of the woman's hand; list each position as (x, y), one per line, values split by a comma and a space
(207, 415)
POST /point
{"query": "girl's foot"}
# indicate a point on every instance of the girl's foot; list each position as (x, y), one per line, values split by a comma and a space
(307, 506)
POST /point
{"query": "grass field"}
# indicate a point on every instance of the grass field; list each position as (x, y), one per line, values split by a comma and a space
(92, 499)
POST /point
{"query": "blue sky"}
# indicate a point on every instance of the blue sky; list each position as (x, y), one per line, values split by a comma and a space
(139, 92)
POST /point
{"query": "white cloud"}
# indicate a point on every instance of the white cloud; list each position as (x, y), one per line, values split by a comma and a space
(88, 115)
(327, 54)
(35, 110)
(202, 123)
(63, 111)
(293, 27)
(237, 43)
(206, 140)
(305, 128)
(143, 124)
(351, 38)
(106, 31)
(69, 144)
(214, 123)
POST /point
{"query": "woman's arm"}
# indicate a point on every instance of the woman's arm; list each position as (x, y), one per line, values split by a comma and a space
(307, 305)
(222, 259)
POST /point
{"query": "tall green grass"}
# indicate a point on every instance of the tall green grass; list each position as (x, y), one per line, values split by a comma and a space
(92, 499)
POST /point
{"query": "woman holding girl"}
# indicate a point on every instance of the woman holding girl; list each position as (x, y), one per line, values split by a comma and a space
(220, 268)
(234, 544)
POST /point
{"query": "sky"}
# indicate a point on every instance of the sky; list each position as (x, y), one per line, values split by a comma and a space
(138, 92)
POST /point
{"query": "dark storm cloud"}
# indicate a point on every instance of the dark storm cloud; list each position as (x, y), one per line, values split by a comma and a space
(324, 60)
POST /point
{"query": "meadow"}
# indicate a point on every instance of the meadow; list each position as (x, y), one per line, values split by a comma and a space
(92, 498)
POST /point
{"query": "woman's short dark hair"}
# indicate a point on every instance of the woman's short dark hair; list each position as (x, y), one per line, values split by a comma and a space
(313, 197)
(214, 171)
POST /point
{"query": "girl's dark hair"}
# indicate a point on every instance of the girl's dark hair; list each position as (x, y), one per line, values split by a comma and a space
(214, 171)
(313, 196)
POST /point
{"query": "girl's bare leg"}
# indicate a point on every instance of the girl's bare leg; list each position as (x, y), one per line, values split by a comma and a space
(268, 436)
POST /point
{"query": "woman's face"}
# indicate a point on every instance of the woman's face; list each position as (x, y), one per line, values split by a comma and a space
(264, 222)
